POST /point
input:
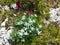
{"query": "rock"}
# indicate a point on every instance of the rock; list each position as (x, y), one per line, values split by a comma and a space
(4, 34)
(55, 15)
(4, 23)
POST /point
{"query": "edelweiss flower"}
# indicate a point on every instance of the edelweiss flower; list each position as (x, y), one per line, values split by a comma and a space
(25, 28)
(37, 29)
(35, 15)
(26, 24)
(25, 33)
(32, 28)
(38, 32)
(13, 6)
(6, 8)
(30, 21)
(23, 40)
(34, 21)
(40, 26)
(23, 17)
(24, 13)
(22, 30)
(20, 33)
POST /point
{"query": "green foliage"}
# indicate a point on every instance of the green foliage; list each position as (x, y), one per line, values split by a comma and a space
(38, 7)
(50, 34)
(27, 28)
(7, 2)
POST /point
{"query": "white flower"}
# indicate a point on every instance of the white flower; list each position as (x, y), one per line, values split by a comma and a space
(20, 33)
(30, 31)
(34, 21)
(26, 24)
(22, 30)
(13, 6)
(19, 23)
(39, 32)
(24, 13)
(6, 8)
(32, 28)
(23, 40)
(25, 33)
(25, 28)
(37, 28)
(40, 26)
(23, 17)
(29, 24)
(35, 15)
(30, 21)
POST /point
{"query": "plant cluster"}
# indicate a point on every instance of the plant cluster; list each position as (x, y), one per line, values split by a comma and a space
(26, 29)
(28, 25)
